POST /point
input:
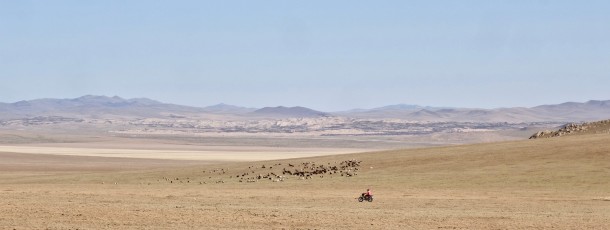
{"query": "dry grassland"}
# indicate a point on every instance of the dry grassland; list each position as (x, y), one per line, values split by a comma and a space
(559, 183)
(213, 154)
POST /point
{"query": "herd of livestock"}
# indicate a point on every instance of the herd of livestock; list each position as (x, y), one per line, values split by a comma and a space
(277, 172)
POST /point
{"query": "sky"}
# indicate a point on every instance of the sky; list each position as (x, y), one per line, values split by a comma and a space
(326, 55)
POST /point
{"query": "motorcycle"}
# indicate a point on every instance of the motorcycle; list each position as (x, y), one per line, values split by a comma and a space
(364, 197)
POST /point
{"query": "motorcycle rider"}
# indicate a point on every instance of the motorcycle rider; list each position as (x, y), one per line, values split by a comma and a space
(368, 193)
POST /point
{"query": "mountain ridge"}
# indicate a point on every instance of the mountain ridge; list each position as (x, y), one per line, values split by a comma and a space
(93, 105)
(568, 112)
(283, 111)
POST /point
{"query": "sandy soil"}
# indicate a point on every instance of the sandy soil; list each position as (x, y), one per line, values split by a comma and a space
(230, 207)
(17, 163)
(212, 153)
(541, 184)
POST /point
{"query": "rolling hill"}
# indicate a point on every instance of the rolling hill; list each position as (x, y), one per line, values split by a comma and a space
(93, 106)
(565, 112)
(228, 109)
(283, 112)
(555, 183)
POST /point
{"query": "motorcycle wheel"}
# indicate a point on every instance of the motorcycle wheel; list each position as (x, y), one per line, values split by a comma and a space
(360, 199)
(370, 199)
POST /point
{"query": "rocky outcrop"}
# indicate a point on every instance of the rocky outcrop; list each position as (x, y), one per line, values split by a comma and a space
(573, 128)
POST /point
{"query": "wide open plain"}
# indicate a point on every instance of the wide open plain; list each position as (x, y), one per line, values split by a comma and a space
(559, 183)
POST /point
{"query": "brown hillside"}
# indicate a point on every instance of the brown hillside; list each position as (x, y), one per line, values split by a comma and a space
(551, 183)
(576, 129)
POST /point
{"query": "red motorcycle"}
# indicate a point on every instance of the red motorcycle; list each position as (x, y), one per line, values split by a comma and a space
(364, 197)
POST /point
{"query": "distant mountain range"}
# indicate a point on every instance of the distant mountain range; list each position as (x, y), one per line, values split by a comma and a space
(112, 107)
(568, 112)
(93, 106)
(228, 109)
(283, 112)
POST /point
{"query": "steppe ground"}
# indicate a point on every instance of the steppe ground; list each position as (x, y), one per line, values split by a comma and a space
(559, 183)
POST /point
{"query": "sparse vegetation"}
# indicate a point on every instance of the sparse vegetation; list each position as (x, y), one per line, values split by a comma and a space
(549, 183)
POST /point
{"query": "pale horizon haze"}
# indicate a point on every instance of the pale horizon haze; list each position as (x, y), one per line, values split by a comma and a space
(325, 55)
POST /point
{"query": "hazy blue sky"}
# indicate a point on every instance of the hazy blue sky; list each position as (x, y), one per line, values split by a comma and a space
(327, 55)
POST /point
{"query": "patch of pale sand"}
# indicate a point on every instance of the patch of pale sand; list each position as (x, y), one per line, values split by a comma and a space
(151, 145)
(214, 154)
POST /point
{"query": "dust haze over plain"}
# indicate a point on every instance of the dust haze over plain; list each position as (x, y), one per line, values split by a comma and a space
(328, 56)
